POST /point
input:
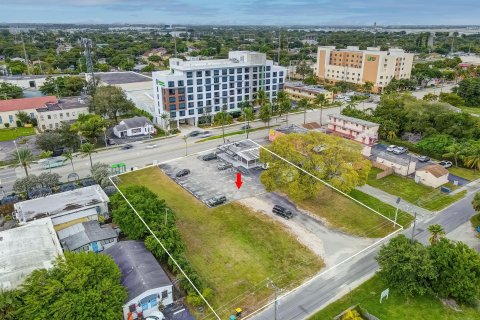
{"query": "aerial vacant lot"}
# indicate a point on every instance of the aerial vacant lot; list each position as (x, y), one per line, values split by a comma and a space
(14, 133)
(233, 249)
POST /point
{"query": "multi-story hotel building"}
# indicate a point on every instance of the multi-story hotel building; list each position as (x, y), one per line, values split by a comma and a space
(361, 66)
(192, 89)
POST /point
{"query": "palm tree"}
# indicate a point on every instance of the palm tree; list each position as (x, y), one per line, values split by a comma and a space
(436, 232)
(304, 104)
(262, 98)
(165, 117)
(455, 151)
(24, 157)
(86, 150)
(247, 116)
(284, 103)
(223, 118)
(367, 86)
(320, 101)
(69, 156)
(265, 114)
(472, 160)
(476, 202)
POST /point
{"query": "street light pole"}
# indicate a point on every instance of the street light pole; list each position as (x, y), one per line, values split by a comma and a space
(414, 224)
(396, 211)
(270, 284)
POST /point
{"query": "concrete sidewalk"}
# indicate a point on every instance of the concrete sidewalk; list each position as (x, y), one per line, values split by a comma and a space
(391, 200)
(471, 187)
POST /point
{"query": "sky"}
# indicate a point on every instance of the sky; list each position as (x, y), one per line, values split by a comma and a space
(239, 12)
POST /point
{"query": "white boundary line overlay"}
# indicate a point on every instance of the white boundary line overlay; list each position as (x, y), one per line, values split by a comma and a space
(292, 290)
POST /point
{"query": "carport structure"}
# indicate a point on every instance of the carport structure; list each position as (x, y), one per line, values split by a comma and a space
(244, 154)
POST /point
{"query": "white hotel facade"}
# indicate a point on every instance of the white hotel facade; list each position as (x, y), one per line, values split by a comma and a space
(193, 89)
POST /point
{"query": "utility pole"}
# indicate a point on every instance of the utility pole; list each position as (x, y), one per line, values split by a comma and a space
(414, 225)
(87, 43)
(25, 54)
(396, 211)
(270, 284)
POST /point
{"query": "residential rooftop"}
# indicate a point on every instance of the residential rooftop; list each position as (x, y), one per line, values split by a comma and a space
(362, 122)
(25, 249)
(65, 104)
(140, 270)
(368, 50)
(63, 202)
(112, 78)
(401, 159)
(81, 234)
(25, 103)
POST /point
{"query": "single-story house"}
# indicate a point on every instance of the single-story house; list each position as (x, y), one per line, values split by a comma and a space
(400, 164)
(25, 249)
(135, 126)
(87, 236)
(65, 208)
(146, 282)
(432, 175)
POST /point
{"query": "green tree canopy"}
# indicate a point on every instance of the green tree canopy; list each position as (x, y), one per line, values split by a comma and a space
(111, 102)
(90, 126)
(469, 90)
(332, 159)
(49, 141)
(63, 86)
(10, 91)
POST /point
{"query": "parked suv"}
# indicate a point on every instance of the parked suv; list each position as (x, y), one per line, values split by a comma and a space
(445, 163)
(182, 173)
(282, 212)
(392, 147)
(400, 150)
(224, 166)
(209, 157)
(216, 201)
(423, 159)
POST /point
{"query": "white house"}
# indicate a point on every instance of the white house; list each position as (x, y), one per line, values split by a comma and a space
(135, 126)
(147, 284)
(400, 164)
(87, 236)
(65, 208)
(432, 175)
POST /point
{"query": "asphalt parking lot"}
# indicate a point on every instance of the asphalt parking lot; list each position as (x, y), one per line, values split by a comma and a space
(205, 181)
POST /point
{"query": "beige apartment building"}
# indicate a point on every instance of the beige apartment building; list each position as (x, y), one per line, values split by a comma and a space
(298, 90)
(361, 66)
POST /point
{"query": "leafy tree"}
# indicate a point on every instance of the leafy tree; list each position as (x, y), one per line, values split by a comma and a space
(101, 173)
(248, 115)
(430, 97)
(352, 314)
(86, 150)
(472, 158)
(261, 98)
(90, 126)
(311, 79)
(223, 118)
(17, 67)
(436, 144)
(70, 138)
(23, 117)
(436, 232)
(49, 141)
(265, 114)
(23, 157)
(332, 159)
(284, 104)
(476, 202)
(63, 86)
(455, 151)
(81, 286)
(320, 101)
(23, 185)
(451, 98)
(303, 69)
(469, 90)
(388, 129)
(458, 270)
(110, 101)
(406, 265)
(49, 180)
(10, 91)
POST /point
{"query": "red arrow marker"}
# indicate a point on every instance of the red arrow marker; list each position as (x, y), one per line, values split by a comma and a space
(239, 181)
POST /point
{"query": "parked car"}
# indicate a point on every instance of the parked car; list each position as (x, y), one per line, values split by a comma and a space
(194, 133)
(182, 173)
(58, 152)
(111, 142)
(126, 147)
(155, 315)
(206, 134)
(445, 163)
(224, 166)
(151, 146)
(392, 147)
(282, 211)
(423, 159)
(246, 127)
(209, 157)
(216, 201)
(400, 150)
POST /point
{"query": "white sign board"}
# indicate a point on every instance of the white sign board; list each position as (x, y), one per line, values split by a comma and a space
(384, 294)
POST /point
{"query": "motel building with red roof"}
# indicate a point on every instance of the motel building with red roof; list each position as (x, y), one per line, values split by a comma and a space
(10, 108)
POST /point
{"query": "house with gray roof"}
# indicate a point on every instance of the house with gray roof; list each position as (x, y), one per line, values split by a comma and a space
(146, 282)
(136, 126)
(87, 236)
(401, 164)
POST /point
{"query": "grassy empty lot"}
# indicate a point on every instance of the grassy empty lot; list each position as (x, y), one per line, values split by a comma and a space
(465, 173)
(396, 307)
(416, 193)
(350, 217)
(233, 249)
(14, 133)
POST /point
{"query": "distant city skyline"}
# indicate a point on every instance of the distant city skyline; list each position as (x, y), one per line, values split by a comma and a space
(239, 12)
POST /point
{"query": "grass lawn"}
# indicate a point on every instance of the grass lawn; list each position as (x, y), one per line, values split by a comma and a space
(350, 217)
(465, 173)
(14, 133)
(475, 220)
(396, 307)
(470, 109)
(233, 249)
(415, 193)
(219, 136)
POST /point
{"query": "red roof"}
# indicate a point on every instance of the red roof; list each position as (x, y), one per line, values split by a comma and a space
(25, 103)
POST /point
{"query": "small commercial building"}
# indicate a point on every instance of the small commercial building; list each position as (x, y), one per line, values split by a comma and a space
(52, 114)
(87, 236)
(432, 175)
(240, 154)
(65, 208)
(136, 126)
(147, 284)
(10, 108)
(365, 132)
(25, 249)
(400, 164)
(298, 90)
